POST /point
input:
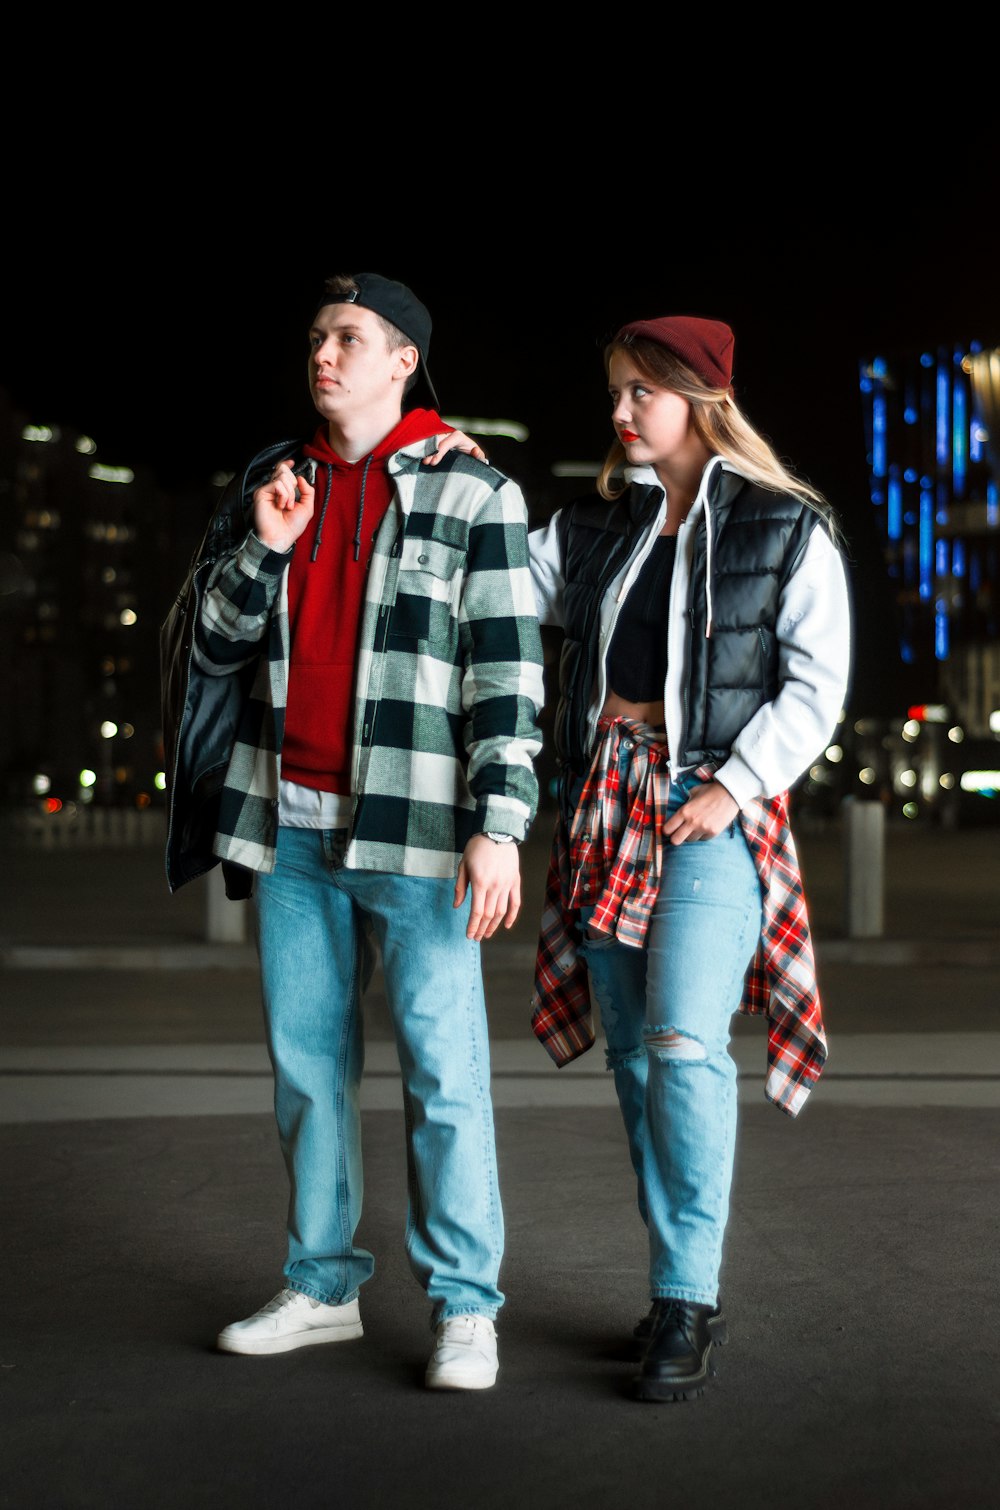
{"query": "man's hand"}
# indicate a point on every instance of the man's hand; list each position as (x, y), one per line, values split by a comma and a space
(708, 810)
(282, 508)
(494, 872)
(455, 440)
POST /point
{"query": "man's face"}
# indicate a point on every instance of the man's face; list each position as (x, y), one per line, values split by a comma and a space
(351, 369)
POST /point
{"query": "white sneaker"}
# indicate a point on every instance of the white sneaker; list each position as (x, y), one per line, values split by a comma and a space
(465, 1354)
(291, 1320)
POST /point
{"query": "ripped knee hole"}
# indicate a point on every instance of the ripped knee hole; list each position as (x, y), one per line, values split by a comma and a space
(668, 1043)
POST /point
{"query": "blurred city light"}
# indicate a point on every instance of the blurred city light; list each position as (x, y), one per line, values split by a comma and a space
(87, 778)
(85, 445)
(511, 429)
(985, 782)
(108, 729)
(928, 713)
(39, 432)
(41, 784)
(127, 616)
(575, 468)
(101, 473)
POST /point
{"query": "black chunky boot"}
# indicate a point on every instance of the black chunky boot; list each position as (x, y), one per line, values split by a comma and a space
(643, 1330)
(675, 1362)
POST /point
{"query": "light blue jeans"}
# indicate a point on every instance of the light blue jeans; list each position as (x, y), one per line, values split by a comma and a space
(678, 1098)
(316, 920)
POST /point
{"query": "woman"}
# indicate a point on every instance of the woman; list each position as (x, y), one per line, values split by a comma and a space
(704, 665)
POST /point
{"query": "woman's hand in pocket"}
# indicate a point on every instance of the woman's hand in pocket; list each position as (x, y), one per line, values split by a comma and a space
(708, 810)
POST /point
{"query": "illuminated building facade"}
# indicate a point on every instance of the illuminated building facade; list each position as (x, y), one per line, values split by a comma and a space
(87, 573)
(934, 486)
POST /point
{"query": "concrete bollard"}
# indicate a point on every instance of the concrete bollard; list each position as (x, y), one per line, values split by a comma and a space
(864, 868)
(225, 921)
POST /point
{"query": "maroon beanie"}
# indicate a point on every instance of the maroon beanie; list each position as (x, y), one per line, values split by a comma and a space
(705, 345)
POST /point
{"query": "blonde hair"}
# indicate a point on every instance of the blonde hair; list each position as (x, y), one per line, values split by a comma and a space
(719, 423)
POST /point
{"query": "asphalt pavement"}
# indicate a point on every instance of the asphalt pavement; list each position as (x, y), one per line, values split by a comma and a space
(144, 1208)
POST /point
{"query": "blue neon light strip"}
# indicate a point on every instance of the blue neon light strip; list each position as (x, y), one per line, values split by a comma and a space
(894, 510)
(992, 505)
(960, 438)
(926, 545)
(941, 636)
(941, 511)
(878, 434)
(943, 449)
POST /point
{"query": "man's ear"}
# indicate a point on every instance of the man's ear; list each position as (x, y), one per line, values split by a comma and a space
(407, 358)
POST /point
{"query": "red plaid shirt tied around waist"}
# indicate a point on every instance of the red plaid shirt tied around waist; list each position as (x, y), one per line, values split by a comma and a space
(612, 858)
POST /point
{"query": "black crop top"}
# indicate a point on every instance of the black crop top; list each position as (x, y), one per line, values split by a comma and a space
(637, 656)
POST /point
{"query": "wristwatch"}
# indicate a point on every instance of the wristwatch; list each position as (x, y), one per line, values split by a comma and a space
(500, 838)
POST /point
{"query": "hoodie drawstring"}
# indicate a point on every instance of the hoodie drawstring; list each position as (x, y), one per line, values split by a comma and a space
(322, 515)
(361, 511)
(361, 507)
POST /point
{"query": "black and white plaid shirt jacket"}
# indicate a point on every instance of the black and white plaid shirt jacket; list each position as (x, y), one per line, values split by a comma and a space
(449, 675)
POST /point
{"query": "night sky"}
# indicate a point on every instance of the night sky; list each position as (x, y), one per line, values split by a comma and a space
(189, 362)
(189, 357)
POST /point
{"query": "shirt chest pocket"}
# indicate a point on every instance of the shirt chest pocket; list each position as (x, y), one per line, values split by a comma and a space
(428, 591)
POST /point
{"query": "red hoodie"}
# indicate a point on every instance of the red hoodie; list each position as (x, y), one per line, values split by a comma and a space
(326, 587)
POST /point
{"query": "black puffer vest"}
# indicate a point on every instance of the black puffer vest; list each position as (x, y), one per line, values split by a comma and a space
(757, 538)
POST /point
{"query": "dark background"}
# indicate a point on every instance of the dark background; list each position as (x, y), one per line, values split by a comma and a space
(188, 360)
(185, 353)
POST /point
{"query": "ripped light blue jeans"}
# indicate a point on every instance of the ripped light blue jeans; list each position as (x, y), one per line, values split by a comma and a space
(316, 921)
(665, 1011)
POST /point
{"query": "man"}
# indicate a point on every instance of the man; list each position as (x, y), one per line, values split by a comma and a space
(352, 680)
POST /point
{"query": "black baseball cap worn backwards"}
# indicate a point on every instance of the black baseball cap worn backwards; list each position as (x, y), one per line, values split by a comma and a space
(397, 304)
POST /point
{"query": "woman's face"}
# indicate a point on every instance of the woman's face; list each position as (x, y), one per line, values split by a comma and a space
(653, 424)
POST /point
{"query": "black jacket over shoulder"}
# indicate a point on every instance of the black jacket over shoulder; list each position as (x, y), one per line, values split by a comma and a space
(201, 715)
